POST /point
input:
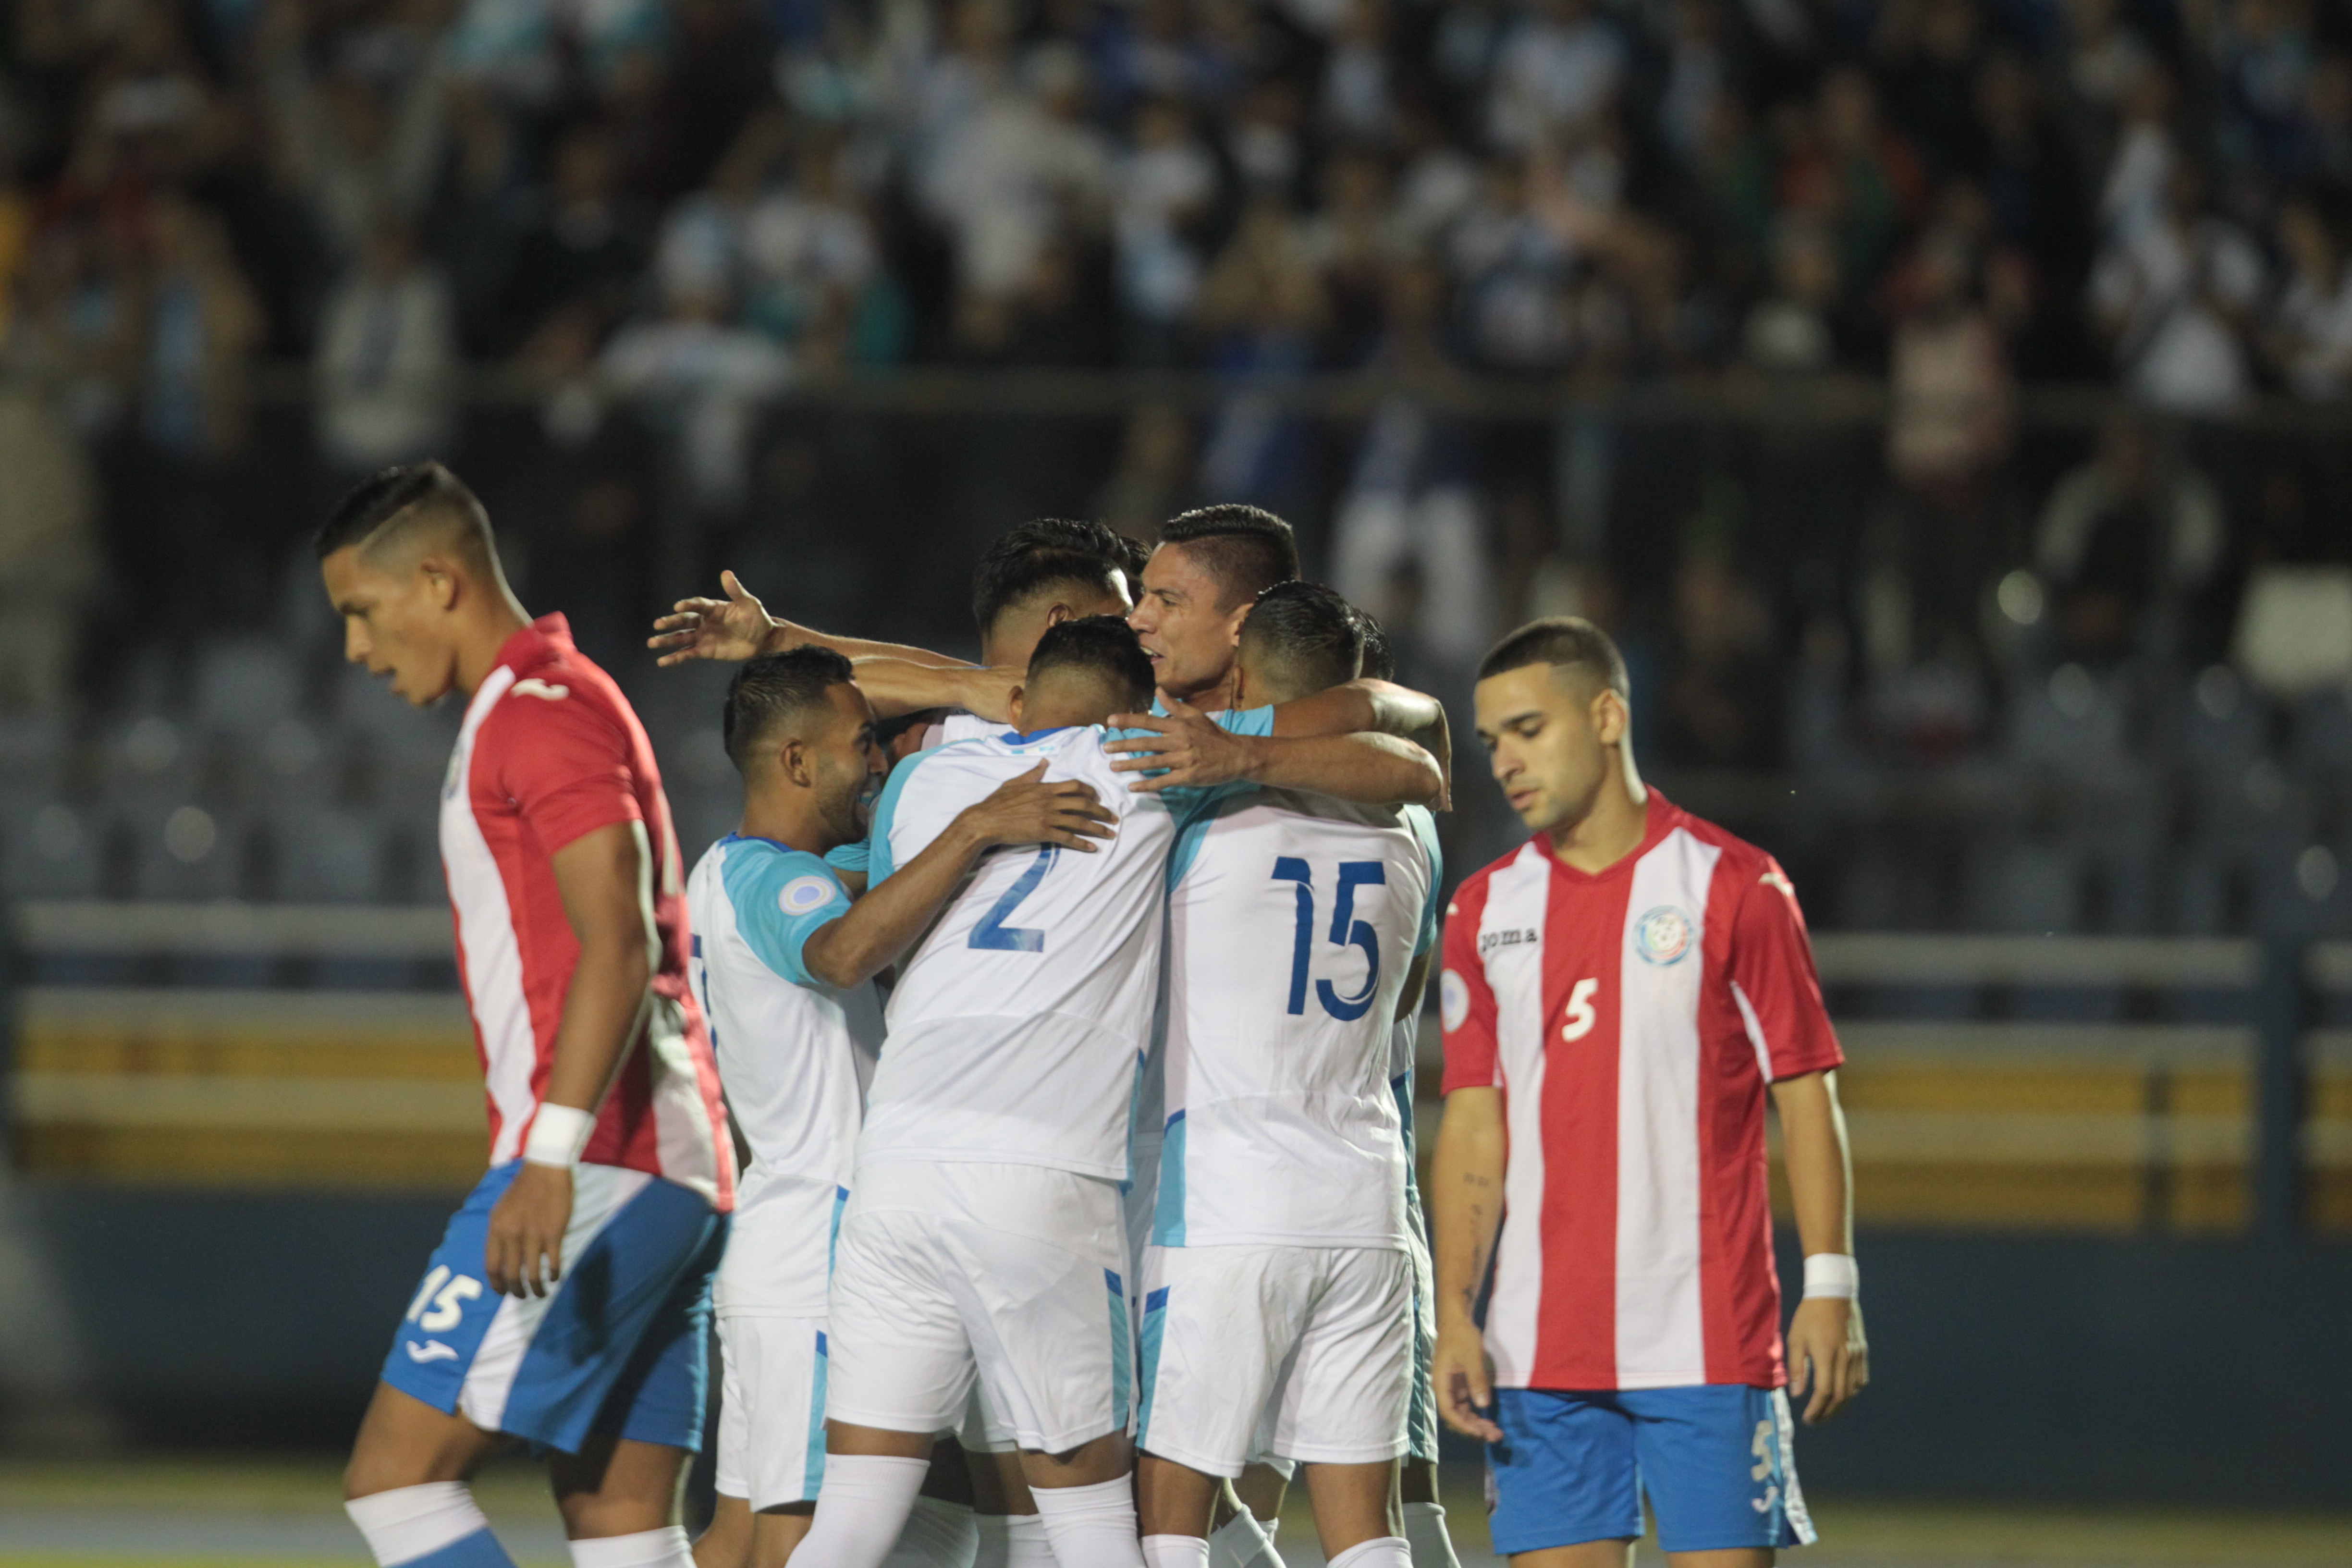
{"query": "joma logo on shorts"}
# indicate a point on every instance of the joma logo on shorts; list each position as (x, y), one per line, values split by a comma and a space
(1488, 940)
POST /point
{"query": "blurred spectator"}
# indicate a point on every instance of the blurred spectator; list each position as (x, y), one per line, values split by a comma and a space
(1721, 694)
(1153, 481)
(1262, 305)
(203, 323)
(49, 563)
(1790, 329)
(693, 371)
(1559, 68)
(2310, 336)
(1410, 512)
(2124, 540)
(2174, 296)
(580, 251)
(387, 355)
(1165, 185)
(363, 141)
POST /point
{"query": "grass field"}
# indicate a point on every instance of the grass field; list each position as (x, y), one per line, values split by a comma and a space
(284, 1513)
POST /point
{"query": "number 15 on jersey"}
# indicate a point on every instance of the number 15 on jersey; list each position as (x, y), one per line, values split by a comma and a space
(1346, 932)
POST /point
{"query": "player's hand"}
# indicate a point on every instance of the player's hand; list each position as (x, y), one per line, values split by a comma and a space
(735, 627)
(987, 693)
(1829, 1358)
(1192, 748)
(1465, 1389)
(524, 1256)
(1028, 810)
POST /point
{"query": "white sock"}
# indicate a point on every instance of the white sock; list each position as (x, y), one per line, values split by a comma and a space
(1243, 1542)
(1090, 1527)
(1425, 1526)
(665, 1548)
(409, 1523)
(939, 1534)
(1175, 1552)
(1012, 1540)
(861, 1508)
(1381, 1552)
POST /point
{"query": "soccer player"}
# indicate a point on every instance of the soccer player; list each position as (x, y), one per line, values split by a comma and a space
(1619, 998)
(1278, 1285)
(783, 967)
(567, 1305)
(985, 1239)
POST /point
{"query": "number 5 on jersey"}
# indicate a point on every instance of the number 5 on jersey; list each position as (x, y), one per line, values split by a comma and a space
(1578, 1021)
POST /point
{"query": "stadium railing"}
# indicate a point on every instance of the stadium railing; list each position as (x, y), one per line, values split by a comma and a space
(2104, 1084)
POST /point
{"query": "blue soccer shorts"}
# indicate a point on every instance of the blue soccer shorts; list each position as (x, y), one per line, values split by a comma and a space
(1714, 1461)
(620, 1344)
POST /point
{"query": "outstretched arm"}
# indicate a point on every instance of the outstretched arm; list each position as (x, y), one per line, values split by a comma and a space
(738, 626)
(1359, 706)
(887, 919)
(1185, 748)
(900, 686)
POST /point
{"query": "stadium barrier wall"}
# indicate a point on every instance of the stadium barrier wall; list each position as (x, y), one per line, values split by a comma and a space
(235, 1132)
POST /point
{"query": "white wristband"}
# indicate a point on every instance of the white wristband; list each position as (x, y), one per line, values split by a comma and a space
(557, 1134)
(1832, 1274)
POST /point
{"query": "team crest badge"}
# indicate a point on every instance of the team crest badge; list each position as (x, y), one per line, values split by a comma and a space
(1452, 1001)
(803, 894)
(1663, 935)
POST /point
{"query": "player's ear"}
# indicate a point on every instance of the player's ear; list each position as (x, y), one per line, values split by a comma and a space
(440, 579)
(792, 756)
(1018, 701)
(1610, 717)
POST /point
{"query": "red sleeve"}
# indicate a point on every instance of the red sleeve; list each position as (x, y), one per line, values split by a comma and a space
(1464, 1003)
(1773, 974)
(566, 767)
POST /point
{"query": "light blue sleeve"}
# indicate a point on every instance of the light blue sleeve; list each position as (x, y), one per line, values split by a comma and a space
(1424, 827)
(878, 863)
(1186, 801)
(850, 859)
(1257, 721)
(781, 897)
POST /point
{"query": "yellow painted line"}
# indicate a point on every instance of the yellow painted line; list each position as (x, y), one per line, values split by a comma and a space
(294, 1104)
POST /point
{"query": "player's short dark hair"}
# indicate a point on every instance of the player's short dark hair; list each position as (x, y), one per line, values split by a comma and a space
(1046, 552)
(1101, 646)
(1564, 642)
(1311, 635)
(1246, 548)
(774, 689)
(403, 493)
(1379, 662)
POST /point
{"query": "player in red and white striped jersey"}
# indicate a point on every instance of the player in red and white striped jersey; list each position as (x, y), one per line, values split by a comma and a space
(568, 1304)
(1619, 995)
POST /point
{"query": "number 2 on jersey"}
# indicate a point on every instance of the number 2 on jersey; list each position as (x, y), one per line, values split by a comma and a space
(1346, 932)
(993, 934)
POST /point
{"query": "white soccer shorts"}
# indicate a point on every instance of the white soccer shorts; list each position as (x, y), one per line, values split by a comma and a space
(772, 1409)
(1421, 1427)
(1009, 1276)
(1304, 1352)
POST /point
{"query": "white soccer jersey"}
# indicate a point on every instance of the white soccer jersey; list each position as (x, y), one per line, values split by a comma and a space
(950, 728)
(1016, 1029)
(1292, 921)
(795, 1057)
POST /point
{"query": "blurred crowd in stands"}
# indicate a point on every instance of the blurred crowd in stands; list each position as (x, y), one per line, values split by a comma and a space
(659, 215)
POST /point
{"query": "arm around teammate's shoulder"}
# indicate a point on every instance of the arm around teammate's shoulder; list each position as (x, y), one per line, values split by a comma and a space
(881, 925)
(1187, 749)
(1383, 706)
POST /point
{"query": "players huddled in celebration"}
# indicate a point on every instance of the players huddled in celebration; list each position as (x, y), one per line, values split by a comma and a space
(1064, 1005)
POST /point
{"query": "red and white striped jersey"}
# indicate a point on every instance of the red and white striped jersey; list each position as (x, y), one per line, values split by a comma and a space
(550, 750)
(1633, 1020)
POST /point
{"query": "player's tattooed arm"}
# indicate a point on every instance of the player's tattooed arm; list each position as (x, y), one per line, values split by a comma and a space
(886, 922)
(1185, 748)
(900, 686)
(1829, 1354)
(1357, 706)
(605, 877)
(738, 626)
(1465, 1211)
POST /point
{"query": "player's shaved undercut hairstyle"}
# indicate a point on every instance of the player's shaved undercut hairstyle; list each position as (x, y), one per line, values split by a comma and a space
(1305, 636)
(406, 501)
(775, 690)
(1379, 662)
(1563, 642)
(1246, 548)
(1049, 553)
(1103, 647)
